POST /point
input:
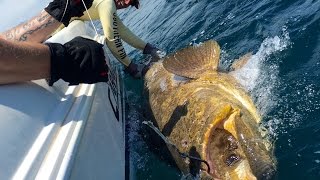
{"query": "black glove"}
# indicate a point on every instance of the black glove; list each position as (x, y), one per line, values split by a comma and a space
(75, 8)
(78, 61)
(136, 70)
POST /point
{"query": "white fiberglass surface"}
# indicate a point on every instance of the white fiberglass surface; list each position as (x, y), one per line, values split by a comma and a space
(30, 112)
(101, 153)
(25, 109)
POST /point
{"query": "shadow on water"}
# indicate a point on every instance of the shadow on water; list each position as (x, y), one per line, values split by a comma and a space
(163, 148)
(154, 142)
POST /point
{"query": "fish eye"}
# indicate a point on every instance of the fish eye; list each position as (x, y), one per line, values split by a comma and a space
(232, 159)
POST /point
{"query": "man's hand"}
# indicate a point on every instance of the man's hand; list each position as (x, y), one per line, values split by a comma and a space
(64, 10)
(155, 53)
(137, 70)
(78, 61)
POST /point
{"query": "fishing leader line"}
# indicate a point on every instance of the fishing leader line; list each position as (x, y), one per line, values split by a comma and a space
(65, 10)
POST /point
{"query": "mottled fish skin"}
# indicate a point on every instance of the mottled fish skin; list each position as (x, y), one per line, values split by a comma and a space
(194, 112)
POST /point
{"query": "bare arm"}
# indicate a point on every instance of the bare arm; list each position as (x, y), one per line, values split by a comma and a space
(23, 61)
(37, 29)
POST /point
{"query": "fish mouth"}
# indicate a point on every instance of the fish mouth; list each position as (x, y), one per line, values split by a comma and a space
(222, 150)
(228, 154)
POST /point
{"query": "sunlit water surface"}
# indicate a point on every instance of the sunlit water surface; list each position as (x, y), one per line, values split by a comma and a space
(282, 76)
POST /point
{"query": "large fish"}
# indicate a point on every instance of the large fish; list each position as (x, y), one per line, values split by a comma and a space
(207, 114)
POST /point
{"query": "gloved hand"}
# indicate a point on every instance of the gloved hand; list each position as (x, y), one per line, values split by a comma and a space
(136, 70)
(78, 61)
(155, 53)
(64, 10)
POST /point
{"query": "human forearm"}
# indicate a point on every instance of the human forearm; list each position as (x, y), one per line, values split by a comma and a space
(23, 61)
(118, 53)
(108, 18)
(38, 29)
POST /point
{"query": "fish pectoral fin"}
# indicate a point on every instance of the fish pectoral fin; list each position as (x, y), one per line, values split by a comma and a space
(193, 61)
(239, 63)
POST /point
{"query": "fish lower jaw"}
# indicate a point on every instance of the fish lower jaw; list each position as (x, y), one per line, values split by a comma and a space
(240, 172)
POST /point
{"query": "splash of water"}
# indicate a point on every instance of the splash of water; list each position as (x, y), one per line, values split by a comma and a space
(258, 76)
(135, 140)
(251, 72)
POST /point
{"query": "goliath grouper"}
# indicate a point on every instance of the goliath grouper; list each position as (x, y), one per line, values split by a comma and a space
(207, 114)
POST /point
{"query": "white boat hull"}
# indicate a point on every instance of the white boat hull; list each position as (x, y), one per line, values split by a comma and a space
(63, 132)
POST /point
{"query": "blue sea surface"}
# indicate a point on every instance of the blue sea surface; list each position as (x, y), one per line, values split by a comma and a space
(282, 77)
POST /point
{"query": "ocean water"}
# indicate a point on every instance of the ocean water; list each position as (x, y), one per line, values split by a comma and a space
(282, 76)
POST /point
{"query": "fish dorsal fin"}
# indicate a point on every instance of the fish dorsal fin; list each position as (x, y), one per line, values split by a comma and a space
(193, 61)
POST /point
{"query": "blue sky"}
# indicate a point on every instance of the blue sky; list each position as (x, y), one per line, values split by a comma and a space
(14, 12)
